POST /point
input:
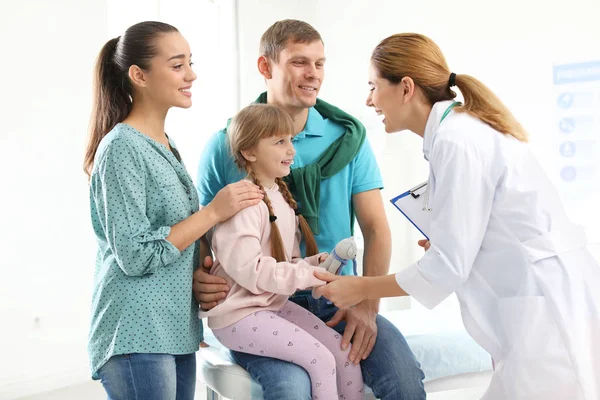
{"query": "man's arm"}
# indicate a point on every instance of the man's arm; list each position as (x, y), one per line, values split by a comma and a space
(373, 223)
(370, 213)
(361, 326)
(205, 250)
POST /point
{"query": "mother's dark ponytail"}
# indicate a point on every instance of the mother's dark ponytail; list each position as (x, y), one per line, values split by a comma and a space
(113, 93)
(112, 100)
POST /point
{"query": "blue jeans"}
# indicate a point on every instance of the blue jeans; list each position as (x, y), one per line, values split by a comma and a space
(391, 370)
(149, 377)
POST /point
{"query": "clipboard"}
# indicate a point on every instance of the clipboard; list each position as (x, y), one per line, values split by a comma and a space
(413, 204)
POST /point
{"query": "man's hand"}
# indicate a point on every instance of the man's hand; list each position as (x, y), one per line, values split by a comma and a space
(361, 329)
(208, 289)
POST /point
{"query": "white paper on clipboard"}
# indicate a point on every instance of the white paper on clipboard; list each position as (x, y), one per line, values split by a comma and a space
(413, 205)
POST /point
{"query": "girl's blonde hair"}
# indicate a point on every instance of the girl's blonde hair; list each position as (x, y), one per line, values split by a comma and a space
(418, 57)
(247, 128)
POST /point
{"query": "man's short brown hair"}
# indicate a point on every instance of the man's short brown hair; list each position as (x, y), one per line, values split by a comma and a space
(276, 38)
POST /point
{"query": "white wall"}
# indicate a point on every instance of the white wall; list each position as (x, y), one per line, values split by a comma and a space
(48, 251)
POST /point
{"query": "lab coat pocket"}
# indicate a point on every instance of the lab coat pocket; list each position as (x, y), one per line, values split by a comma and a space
(536, 362)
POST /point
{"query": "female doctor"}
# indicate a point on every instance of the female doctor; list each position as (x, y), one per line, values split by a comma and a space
(499, 237)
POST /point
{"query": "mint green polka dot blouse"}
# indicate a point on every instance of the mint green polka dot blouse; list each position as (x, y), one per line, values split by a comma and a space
(142, 300)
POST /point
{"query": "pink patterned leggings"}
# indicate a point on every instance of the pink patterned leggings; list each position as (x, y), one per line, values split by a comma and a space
(296, 335)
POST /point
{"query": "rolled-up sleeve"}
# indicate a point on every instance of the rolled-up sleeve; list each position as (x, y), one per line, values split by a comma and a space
(210, 177)
(119, 192)
(461, 205)
(366, 171)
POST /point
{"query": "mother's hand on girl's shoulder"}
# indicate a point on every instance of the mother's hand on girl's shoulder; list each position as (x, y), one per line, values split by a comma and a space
(234, 198)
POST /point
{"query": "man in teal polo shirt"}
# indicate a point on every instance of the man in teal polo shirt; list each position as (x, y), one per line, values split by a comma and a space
(335, 177)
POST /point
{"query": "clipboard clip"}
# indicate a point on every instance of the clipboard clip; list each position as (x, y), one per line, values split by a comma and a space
(413, 191)
(423, 190)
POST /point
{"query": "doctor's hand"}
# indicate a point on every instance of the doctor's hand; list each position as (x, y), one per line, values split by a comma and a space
(424, 243)
(343, 291)
(207, 288)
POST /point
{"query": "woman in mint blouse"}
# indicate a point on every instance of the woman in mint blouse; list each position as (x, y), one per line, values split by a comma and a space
(144, 209)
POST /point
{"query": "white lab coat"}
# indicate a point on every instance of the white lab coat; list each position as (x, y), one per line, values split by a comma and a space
(527, 285)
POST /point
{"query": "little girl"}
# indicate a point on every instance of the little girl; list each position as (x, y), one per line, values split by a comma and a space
(258, 253)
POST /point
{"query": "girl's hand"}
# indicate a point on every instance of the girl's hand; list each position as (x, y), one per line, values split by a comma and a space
(323, 257)
(234, 198)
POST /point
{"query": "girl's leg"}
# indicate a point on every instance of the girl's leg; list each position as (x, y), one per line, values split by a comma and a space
(350, 382)
(264, 333)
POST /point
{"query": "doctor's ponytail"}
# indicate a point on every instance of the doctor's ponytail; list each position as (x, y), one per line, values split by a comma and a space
(418, 57)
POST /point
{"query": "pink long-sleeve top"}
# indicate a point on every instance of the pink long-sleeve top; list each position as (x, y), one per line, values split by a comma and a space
(242, 250)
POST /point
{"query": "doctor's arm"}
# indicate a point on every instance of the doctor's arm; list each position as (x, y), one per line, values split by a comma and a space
(347, 294)
(347, 291)
(461, 207)
(351, 290)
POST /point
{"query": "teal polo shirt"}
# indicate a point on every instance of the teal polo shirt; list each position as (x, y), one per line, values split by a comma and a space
(217, 169)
